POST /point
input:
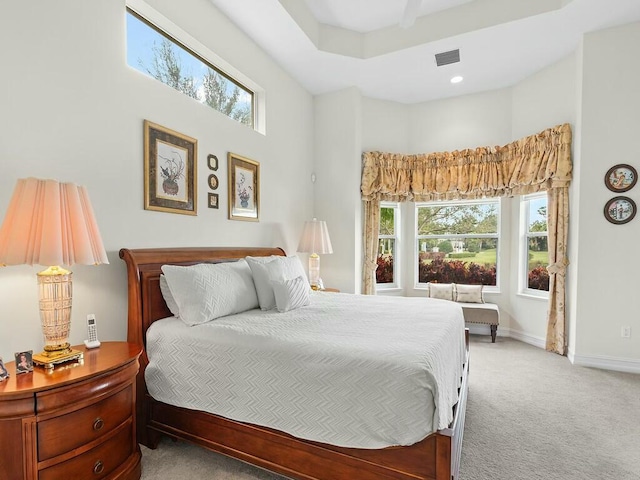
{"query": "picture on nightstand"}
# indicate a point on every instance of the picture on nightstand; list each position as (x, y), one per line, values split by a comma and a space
(24, 362)
(4, 374)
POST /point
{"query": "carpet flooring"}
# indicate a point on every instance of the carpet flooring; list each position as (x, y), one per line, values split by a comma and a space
(530, 415)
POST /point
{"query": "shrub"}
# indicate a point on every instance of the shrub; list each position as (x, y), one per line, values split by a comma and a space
(384, 272)
(539, 279)
(456, 271)
(431, 255)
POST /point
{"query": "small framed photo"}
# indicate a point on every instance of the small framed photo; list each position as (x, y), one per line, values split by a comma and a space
(620, 210)
(24, 362)
(4, 373)
(213, 182)
(244, 188)
(213, 200)
(621, 178)
(170, 170)
(212, 162)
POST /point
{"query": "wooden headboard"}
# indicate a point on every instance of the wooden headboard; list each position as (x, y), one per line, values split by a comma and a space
(146, 304)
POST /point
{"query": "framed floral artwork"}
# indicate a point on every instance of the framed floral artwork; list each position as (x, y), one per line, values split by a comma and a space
(621, 178)
(170, 170)
(212, 162)
(244, 188)
(213, 182)
(213, 200)
(620, 210)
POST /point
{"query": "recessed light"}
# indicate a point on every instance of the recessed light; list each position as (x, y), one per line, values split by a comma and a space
(457, 79)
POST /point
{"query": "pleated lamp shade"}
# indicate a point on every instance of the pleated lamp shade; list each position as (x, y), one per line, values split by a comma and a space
(315, 238)
(52, 224)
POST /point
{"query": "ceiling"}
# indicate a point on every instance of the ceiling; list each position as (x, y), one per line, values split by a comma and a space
(327, 45)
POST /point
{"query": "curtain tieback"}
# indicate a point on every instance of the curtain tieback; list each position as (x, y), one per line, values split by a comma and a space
(558, 267)
(371, 264)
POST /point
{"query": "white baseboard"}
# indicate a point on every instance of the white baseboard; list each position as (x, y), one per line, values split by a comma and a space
(605, 362)
(530, 339)
(595, 361)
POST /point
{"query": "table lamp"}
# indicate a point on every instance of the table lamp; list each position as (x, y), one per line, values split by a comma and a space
(51, 224)
(314, 240)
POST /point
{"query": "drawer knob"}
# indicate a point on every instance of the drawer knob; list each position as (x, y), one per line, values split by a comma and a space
(98, 424)
(98, 468)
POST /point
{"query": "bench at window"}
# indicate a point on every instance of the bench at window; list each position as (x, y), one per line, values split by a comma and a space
(470, 298)
(484, 313)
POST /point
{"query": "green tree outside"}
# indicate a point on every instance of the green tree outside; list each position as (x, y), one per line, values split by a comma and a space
(214, 89)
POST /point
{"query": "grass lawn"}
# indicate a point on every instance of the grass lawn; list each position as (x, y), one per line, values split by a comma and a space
(488, 257)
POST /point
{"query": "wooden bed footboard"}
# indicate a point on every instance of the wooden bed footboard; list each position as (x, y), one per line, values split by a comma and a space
(437, 457)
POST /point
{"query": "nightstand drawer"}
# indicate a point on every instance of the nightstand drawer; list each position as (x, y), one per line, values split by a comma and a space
(98, 462)
(62, 434)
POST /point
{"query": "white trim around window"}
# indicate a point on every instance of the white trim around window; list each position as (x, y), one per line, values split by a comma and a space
(394, 240)
(527, 203)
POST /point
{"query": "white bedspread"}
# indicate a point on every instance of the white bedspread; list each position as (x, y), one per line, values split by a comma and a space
(348, 370)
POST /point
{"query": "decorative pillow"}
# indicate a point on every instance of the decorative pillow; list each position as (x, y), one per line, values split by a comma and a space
(443, 291)
(168, 298)
(275, 268)
(469, 293)
(207, 291)
(291, 294)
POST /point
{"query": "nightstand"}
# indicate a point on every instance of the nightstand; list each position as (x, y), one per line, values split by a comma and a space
(334, 290)
(76, 422)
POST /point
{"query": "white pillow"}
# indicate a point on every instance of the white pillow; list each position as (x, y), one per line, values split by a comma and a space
(168, 298)
(274, 268)
(291, 294)
(443, 291)
(207, 291)
(469, 293)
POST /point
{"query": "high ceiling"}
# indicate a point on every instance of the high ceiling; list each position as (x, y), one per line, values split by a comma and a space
(328, 45)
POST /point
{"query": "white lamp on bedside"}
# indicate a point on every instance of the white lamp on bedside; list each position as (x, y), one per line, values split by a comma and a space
(51, 224)
(315, 240)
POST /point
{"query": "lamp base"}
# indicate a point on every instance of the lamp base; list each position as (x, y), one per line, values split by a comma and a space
(49, 359)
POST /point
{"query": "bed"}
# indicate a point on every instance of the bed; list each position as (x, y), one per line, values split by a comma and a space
(435, 457)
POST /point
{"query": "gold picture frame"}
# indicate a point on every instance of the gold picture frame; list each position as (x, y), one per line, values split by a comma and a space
(170, 170)
(244, 188)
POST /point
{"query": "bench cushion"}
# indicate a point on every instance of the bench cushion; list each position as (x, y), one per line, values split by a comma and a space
(487, 313)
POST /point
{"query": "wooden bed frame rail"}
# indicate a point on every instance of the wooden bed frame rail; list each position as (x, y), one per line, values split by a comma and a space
(437, 457)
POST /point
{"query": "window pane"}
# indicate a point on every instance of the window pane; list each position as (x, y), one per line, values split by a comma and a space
(387, 221)
(538, 215)
(537, 276)
(386, 250)
(469, 260)
(457, 219)
(165, 59)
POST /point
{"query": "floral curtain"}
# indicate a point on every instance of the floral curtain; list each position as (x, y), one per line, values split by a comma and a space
(540, 162)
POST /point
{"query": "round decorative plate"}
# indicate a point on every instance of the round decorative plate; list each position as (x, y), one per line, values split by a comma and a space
(620, 210)
(621, 178)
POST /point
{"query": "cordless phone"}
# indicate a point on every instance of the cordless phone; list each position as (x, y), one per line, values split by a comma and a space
(92, 332)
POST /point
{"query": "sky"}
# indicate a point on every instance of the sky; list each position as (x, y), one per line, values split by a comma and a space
(140, 42)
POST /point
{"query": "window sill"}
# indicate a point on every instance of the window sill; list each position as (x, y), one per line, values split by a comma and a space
(533, 297)
(390, 291)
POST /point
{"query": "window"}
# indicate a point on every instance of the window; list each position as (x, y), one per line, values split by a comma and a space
(458, 241)
(535, 244)
(159, 55)
(388, 243)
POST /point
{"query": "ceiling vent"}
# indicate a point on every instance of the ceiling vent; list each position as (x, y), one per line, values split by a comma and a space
(446, 58)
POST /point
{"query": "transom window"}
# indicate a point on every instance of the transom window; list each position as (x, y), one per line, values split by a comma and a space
(159, 55)
(535, 242)
(388, 245)
(458, 242)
